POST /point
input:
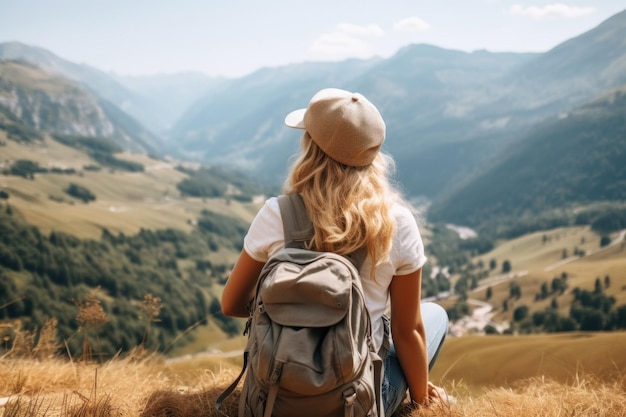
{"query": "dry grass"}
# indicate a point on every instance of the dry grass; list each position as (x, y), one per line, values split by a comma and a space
(480, 362)
(578, 374)
(55, 387)
(143, 387)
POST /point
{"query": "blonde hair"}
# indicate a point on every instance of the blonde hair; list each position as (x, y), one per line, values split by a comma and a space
(350, 207)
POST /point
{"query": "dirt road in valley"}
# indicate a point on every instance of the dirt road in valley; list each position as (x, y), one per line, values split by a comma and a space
(482, 316)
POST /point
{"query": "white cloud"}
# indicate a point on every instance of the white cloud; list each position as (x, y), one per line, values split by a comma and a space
(359, 30)
(348, 40)
(551, 11)
(337, 45)
(411, 24)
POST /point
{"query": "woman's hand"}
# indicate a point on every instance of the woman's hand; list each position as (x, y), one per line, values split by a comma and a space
(435, 393)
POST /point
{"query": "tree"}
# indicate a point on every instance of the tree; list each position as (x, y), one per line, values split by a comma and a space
(604, 241)
(80, 192)
(458, 311)
(506, 266)
(520, 313)
(607, 281)
(619, 318)
(492, 264)
(554, 305)
(558, 285)
(538, 318)
(592, 320)
(598, 286)
(515, 291)
(489, 293)
(489, 329)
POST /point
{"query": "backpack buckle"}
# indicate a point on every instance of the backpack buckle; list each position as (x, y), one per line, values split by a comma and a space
(349, 397)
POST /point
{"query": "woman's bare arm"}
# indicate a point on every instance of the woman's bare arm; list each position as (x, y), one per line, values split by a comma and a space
(239, 288)
(409, 336)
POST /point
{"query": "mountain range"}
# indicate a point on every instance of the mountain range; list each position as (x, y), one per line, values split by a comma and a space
(47, 102)
(457, 122)
(573, 161)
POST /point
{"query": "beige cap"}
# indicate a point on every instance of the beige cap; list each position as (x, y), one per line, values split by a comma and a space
(345, 125)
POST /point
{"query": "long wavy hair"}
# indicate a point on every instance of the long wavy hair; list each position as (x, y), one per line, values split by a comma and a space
(350, 207)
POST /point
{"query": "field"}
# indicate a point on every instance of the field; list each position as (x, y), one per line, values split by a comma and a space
(549, 375)
(125, 201)
(537, 258)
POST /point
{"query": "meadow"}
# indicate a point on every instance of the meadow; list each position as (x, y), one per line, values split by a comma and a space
(546, 375)
(125, 203)
(580, 373)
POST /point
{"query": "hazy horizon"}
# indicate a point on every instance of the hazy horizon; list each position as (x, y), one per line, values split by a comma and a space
(236, 38)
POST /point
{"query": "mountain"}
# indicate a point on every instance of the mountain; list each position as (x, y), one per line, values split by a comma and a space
(568, 75)
(486, 115)
(243, 126)
(448, 113)
(451, 115)
(48, 102)
(171, 94)
(105, 86)
(427, 96)
(573, 160)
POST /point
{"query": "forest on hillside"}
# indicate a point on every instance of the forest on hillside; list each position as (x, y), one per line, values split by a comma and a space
(48, 277)
(568, 170)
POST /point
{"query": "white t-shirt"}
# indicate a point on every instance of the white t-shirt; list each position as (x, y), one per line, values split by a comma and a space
(265, 238)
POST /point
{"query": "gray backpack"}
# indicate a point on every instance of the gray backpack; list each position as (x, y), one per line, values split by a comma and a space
(310, 351)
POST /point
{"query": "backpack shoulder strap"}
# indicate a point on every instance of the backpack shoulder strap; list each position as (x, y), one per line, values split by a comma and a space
(298, 228)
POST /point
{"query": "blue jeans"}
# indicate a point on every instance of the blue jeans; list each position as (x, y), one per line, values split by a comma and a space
(394, 386)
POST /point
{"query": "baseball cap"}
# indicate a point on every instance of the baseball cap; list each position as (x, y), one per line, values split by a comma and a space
(345, 125)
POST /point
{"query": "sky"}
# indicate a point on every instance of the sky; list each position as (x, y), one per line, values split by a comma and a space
(233, 38)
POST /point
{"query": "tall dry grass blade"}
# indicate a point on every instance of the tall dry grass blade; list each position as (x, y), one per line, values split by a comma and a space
(182, 334)
(47, 345)
(25, 407)
(23, 342)
(151, 308)
(90, 315)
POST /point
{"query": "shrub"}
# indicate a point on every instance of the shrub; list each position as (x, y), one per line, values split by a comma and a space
(80, 192)
(25, 168)
(520, 313)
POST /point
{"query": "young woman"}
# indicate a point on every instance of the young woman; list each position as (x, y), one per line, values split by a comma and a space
(343, 179)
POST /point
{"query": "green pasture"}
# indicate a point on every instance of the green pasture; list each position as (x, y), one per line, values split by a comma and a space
(125, 202)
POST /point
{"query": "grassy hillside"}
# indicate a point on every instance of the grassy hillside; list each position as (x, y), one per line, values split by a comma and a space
(537, 260)
(562, 166)
(126, 202)
(482, 362)
(503, 376)
(139, 235)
